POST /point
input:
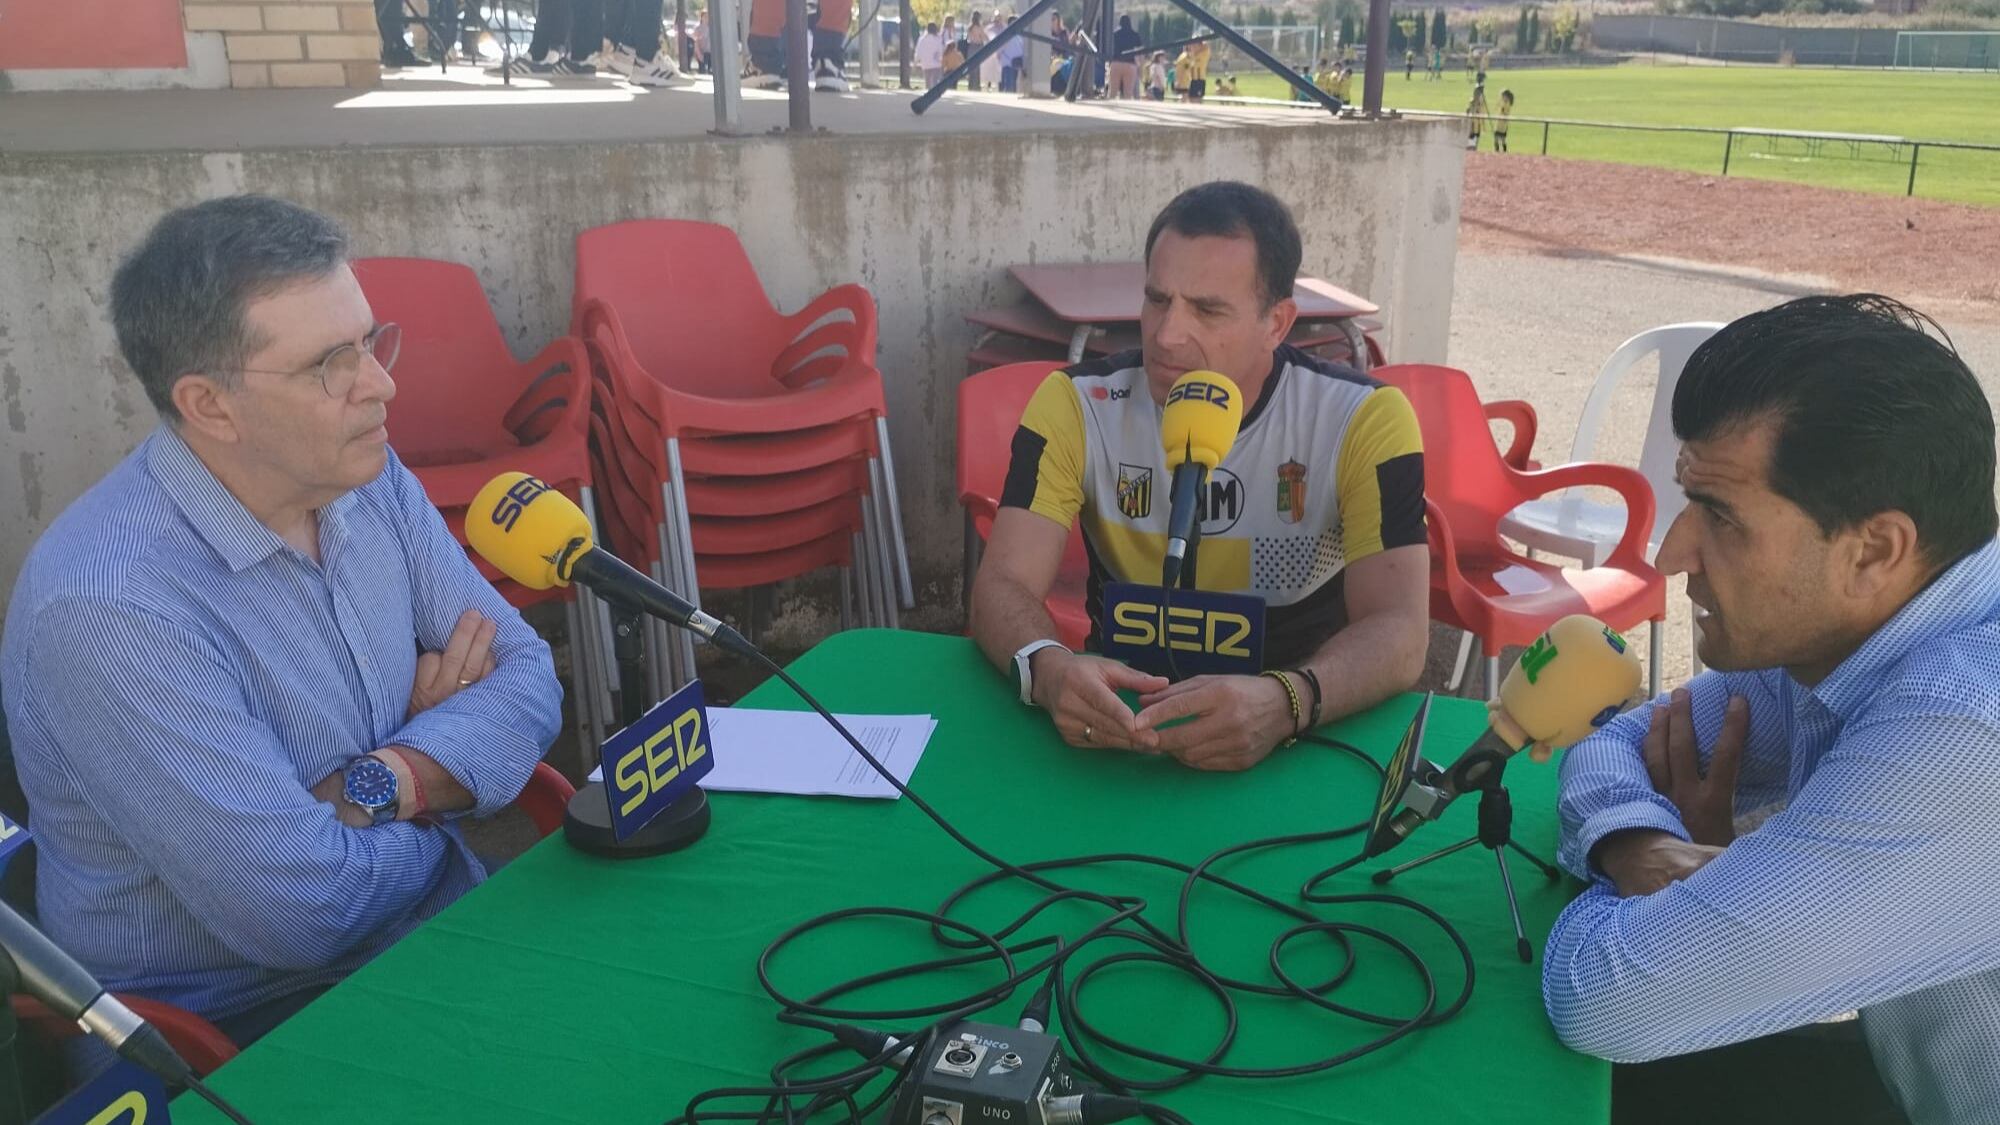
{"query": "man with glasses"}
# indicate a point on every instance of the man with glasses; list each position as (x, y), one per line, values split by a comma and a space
(252, 681)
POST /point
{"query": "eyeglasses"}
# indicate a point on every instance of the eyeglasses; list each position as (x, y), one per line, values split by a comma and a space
(342, 366)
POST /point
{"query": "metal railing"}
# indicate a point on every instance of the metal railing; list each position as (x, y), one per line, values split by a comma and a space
(1814, 143)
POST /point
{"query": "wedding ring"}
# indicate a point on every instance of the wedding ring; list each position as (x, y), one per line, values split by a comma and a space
(1086, 732)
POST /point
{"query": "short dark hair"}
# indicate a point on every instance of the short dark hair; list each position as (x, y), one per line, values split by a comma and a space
(1228, 209)
(177, 302)
(1874, 413)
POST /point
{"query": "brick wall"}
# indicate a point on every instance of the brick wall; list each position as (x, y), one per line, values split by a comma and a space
(293, 42)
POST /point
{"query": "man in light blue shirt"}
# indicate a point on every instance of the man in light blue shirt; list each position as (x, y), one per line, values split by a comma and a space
(1839, 466)
(251, 679)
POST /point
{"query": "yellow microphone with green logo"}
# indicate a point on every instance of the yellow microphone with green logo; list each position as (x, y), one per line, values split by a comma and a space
(1203, 412)
(539, 538)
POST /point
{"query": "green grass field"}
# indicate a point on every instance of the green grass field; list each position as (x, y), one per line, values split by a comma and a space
(1917, 105)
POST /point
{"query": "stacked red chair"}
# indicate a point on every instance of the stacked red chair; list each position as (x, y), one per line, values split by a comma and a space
(746, 446)
(466, 410)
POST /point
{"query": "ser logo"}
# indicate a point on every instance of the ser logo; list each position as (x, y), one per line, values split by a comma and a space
(1199, 392)
(1193, 633)
(652, 762)
(651, 766)
(515, 500)
(1182, 628)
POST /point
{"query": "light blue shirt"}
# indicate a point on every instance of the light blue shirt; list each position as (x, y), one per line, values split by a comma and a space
(1877, 887)
(177, 678)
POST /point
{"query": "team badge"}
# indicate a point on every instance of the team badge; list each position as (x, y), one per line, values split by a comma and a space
(1291, 492)
(1135, 491)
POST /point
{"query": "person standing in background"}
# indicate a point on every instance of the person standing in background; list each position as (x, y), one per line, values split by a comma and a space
(1011, 54)
(975, 38)
(1475, 115)
(1500, 124)
(1123, 73)
(1156, 77)
(992, 70)
(930, 55)
(1197, 70)
(1409, 64)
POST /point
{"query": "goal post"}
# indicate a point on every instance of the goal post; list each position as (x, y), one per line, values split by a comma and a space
(1948, 50)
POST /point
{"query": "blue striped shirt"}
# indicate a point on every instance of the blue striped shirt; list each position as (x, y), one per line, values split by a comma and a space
(1877, 887)
(177, 678)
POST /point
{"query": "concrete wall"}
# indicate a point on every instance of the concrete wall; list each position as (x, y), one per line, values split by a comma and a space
(927, 222)
(1750, 42)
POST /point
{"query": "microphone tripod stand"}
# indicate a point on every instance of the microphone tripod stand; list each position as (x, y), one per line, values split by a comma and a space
(1496, 834)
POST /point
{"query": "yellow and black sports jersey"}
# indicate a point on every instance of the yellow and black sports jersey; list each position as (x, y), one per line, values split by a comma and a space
(1328, 468)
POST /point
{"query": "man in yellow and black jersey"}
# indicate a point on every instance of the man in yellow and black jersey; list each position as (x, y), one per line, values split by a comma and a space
(1318, 508)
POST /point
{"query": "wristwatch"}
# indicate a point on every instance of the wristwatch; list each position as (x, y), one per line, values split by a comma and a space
(370, 785)
(1024, 672)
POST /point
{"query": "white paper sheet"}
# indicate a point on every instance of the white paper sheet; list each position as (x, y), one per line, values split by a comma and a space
(759, 751)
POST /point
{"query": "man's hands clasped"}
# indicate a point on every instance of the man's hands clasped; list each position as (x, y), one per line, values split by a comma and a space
(1233, 722)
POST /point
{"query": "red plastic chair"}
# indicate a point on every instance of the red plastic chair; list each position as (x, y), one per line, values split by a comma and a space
(690, 341)
(1481, 585)
(466, 410)
(989, 411)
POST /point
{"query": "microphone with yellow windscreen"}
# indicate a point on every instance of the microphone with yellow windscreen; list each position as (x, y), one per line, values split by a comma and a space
(1203, 412)
(540, 538)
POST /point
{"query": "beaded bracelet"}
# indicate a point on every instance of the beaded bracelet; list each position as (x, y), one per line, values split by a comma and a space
(1312, 681)
(1292, 697)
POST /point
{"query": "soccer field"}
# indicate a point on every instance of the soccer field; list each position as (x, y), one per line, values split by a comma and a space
(1917, 105)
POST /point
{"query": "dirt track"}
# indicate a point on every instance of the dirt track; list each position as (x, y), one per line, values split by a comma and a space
(1920, 250)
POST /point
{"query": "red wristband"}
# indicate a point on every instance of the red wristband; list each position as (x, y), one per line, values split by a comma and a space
(423, 804)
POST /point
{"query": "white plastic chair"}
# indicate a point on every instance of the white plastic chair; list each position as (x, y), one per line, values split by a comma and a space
(1569, 525)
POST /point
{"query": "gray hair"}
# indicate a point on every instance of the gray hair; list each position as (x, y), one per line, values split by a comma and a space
(178, 301)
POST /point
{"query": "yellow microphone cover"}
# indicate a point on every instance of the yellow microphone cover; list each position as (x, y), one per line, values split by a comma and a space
(1203, 412)
(527, 529)
(1571, 681)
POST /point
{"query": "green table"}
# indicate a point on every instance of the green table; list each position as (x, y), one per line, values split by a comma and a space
(573, 989)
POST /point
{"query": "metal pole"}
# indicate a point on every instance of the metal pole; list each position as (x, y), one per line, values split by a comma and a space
(992, 47)
(871, 45)
(903, 43)
(728, 67)
(1912, 189)
(1378, 57)
(1263, 58)
(1545, 138)
(798, 66)
(1728, 142)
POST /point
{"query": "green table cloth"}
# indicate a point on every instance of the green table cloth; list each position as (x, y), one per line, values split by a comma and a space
(575, 989)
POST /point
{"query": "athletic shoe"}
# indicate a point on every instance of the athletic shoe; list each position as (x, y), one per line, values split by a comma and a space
(619, 60)
(525, 67)
(763, 82)
(829, 80)
(656, 71)
(570, 68)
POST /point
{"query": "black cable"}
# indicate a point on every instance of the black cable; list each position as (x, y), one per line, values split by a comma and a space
(211, 1097)
(1045, 959)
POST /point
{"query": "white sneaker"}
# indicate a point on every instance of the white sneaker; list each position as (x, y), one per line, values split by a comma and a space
(620, 60)
(829, 80)
(762, 81)
(659, 71)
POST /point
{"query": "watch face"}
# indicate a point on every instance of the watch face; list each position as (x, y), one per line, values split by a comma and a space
(370, 784)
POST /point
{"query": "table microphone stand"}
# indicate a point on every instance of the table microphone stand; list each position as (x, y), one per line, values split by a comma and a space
(587, 822)
(1496, 834)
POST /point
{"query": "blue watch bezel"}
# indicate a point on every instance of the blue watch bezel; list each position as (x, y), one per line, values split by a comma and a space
(370, 785)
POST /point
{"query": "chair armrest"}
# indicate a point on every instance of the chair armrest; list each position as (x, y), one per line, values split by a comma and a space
(854, 298)
(560, 375)
(1520, 417)
(1631, 486)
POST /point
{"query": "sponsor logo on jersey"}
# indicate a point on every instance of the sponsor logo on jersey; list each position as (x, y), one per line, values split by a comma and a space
(1219, 504)
(1291, 492)
(1135, 491)
(1110, 394)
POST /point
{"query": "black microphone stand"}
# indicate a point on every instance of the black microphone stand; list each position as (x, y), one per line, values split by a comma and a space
(587, 821)
(1496, 834)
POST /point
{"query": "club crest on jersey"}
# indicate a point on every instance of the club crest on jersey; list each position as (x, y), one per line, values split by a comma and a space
(1135, 491)
(1291, 492)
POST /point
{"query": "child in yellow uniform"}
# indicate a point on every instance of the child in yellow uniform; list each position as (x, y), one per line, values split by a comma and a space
(1475, 114)
(1500, 126)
